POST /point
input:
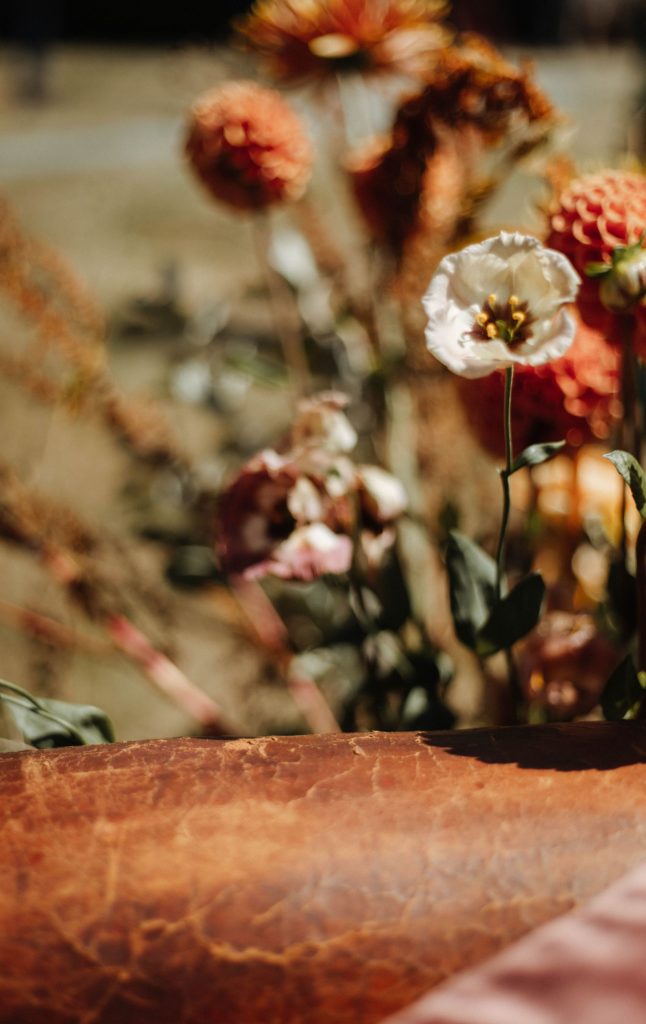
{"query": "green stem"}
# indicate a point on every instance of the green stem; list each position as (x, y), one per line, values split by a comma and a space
(631, 417)
(24, 699)
(512, 676)
(504, 476)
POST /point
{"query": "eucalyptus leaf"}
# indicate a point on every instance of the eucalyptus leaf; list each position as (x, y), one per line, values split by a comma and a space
(623, 692)
(472, 586)
(628, 467)
(535, 454)
(89, 724)
(512, 617)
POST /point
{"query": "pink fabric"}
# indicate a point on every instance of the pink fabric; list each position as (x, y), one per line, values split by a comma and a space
(587, 967)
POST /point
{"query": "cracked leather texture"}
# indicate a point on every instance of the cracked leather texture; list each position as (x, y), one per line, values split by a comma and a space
(586, 967)
(302, 879)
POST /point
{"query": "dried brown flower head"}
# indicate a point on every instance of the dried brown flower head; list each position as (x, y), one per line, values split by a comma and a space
(471, 95)
(248, 147)
(305, 39)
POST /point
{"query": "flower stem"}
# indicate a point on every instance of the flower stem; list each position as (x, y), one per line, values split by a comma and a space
(267, 628)
(640, 567)
(631, 418)
(504, 476)
(167, 676)
(515, 692)
(283, 308)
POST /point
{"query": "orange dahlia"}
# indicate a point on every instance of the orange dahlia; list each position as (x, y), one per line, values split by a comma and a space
(248, 147)
(574, 398)
(592, 216)
(304, 39)
(471, 93)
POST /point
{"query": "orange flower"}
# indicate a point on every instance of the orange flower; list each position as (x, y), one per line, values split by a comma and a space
(248, 147)
(471, 93)
(589, 218)
(575, 398)
(314, 38)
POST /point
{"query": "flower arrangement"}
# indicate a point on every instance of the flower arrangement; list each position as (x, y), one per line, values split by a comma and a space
(363, 525)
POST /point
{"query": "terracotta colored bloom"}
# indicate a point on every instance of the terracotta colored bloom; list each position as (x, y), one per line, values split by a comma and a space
(471, 95)
(500, 303)
(248, 147)
(574, 398)
(590, 218)
(295, 514)
(314, 38)
(564, 664)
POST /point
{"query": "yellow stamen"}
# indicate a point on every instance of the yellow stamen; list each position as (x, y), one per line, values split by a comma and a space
(492, 300)
(482, 319)
(492, 330)
(519, 318)
(514, 300)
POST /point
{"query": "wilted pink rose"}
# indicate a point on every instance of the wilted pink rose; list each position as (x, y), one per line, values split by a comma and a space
(309, 552)
(295, 514)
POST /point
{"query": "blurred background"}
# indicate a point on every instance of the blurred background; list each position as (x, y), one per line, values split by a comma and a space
(93, 101)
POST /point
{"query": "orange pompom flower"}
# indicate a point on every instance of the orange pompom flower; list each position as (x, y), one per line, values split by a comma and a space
(592, 216)
(248, 147)
(574, 398)
(305, 39)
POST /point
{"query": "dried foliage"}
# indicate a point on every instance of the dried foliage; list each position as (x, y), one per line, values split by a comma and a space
(65, 360)
(474, 113)
(326, 37)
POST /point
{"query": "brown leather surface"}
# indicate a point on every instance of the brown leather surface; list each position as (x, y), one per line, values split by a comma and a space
(307, 879)
(586, 967)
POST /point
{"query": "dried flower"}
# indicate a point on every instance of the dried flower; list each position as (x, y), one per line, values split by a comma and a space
(248, 147)
(478, 100)
(564, 664)
(316, 38)
(590, 218)
(574, 398)
(499, 303)
(296, 514)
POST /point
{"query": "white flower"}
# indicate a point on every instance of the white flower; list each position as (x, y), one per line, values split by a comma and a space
(500, 303)
(321, 423)
(383, 495)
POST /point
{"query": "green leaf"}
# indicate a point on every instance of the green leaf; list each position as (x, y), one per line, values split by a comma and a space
(623, 692)
(472, 586)
(89, 724)
(597, 269)
(535, 454)
(628, 467)
(513, 617)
